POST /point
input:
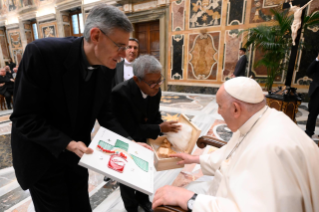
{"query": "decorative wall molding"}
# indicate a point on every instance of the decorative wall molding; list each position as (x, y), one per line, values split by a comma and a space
(2, 23)
(47, 17)
(28, 16)
(64, 6)
(12, 26)
(147, 15)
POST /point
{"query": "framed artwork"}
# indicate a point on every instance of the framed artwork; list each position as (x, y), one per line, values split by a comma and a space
(121, 159)
(15, 40)
(48, 30)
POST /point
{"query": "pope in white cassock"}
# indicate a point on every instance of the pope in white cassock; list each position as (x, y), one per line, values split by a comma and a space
(269, 165)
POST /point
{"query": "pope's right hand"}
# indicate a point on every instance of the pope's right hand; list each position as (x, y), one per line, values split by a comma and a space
(79, 148)
(186, 158)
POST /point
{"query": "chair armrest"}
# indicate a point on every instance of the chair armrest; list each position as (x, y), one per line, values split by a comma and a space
(205, 140)
(202, 142)
(166, 208)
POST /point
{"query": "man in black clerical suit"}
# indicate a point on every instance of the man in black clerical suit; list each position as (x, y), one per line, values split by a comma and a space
(241, 64)
(11, 64)
(313, 106)
(62, 86)
(124, 69)
(135, 103)
(6, 88)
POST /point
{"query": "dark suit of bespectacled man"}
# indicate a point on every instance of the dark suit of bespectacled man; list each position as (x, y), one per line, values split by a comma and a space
(124, 69)
(135, 103)
(63, 86)
(313, 106)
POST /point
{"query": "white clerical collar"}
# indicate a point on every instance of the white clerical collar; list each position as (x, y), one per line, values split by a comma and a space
(127, 62)
(143, 95)
(249, 123)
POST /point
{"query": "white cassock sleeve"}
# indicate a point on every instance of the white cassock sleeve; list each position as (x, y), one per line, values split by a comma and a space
(272, 178)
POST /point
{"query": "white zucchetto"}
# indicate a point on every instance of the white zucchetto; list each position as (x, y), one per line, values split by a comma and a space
(244, 89)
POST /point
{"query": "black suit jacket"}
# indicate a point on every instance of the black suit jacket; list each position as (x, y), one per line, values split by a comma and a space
(313, 72)
(8, 84)
(119, 74)
(139, 117)
(46, 98)
(241, 66)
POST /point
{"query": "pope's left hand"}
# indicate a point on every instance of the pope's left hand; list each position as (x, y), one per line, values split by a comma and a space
(171, 195)
(145, 145)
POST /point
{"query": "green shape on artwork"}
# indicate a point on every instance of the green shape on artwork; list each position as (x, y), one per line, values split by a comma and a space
(105, 145)
(121, 144)
(140, 163)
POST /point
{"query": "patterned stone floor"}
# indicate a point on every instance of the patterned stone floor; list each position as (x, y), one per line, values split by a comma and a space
(105, 197)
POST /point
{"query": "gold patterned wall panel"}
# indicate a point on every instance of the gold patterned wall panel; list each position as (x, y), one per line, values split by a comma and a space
(48, 30)
(203, 56)
(15, 44)
(4, 46)
(205, 13)
(260, 10)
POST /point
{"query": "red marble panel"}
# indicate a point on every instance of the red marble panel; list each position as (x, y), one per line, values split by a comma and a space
(261, 70)
(4, 48)
(27, 26)
(178, 15)
(231, 53)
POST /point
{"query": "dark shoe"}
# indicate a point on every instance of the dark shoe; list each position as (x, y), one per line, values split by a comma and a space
(147, 207)
(106, 179)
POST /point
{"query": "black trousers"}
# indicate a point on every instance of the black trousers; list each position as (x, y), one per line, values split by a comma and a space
(132, 198)
(7, 95)
(313, 107)
(62, 189)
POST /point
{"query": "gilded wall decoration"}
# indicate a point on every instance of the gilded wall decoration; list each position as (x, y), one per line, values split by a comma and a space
(258, 13)
(236, 11)
(67, 30)
(65, 18)
(177, 63)
(27, 26)
(4, 46)
(178, 15)
(17, 54)
(48, 30)
(232, 45)
(15, 40)
(204, 13)
(28, 35)
(203, 56)
(271, 3)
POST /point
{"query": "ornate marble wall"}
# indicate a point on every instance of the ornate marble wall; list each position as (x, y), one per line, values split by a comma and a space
(205, 35)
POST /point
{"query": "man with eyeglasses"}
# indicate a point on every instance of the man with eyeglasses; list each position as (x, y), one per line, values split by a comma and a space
(135, 103)
(124, 69)
(70, 80)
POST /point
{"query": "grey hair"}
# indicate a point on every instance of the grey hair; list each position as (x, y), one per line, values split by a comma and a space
(146, 64)
(107, 18)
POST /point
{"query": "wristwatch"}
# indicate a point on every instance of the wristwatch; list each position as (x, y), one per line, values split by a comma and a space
(190, 203)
